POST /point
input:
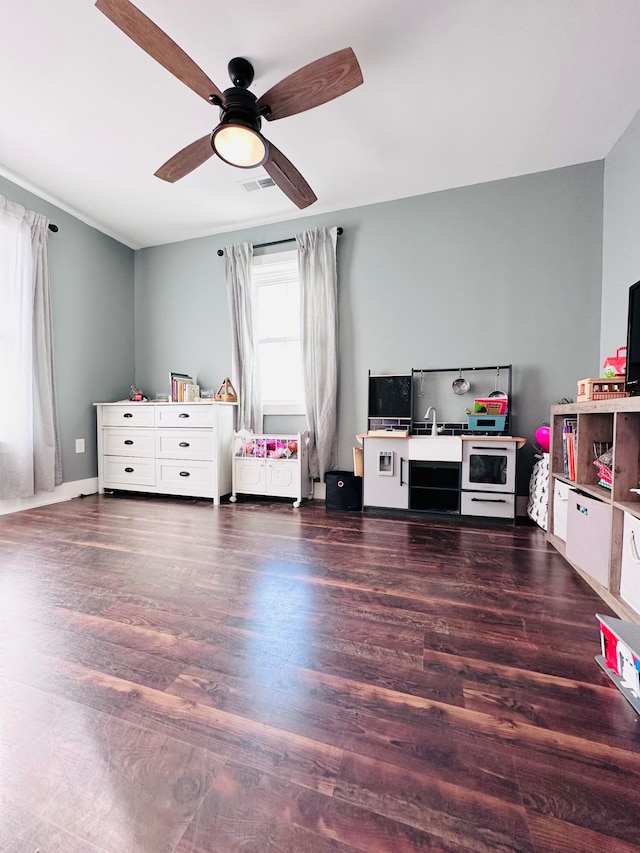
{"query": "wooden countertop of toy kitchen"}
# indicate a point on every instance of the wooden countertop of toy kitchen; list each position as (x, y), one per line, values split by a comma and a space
(379, 433)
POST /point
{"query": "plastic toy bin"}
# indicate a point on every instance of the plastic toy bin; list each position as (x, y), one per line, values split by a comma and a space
(487, 423)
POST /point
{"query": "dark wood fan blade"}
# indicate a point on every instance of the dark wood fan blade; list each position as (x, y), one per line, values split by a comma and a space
(288, 178)
(158, 45)
(187, 160)
(312, 85)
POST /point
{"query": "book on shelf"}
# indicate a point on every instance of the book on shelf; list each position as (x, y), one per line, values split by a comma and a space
(569, 440)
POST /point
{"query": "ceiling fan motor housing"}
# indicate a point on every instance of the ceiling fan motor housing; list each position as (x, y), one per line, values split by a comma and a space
(239, 107)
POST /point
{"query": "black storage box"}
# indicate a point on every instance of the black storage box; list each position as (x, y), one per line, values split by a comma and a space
(344, 490)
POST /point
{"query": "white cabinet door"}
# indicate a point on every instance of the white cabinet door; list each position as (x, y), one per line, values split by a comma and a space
(250, 476)
(386, 473)
(282, 478)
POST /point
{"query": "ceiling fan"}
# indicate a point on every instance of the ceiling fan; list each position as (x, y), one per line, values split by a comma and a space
(237, 138)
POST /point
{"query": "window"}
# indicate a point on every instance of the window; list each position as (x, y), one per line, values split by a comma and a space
(277, 284)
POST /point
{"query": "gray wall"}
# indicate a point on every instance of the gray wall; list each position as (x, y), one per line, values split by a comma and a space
(621, 237)
(91, 278)
(503, 272)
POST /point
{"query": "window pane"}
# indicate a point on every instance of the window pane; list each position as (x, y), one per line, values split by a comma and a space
(281, 371)
(277, 293)
(278, 311)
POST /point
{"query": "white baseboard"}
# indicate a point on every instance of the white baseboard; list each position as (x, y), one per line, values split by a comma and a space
(64, 492)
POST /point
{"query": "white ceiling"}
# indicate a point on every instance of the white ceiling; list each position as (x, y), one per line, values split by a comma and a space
(455, 92)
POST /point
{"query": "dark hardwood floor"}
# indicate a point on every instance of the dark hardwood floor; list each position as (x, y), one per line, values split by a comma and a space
(175, 677)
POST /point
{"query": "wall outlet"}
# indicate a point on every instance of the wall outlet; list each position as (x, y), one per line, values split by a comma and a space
(79, 445)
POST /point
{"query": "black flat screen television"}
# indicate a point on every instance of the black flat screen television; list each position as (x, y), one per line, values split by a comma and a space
(390, 397)
(633, 340)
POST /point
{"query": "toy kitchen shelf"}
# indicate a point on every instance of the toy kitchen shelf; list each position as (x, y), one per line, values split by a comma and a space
(271, 464)
(435, 388)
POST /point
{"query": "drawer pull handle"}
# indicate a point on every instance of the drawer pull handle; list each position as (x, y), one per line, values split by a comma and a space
(128, 441)
(184, 444)
(633, 549)
(128, 415)
(488, 447)
(183, 415)
(129, 470)
(184, 474)
(489, 500)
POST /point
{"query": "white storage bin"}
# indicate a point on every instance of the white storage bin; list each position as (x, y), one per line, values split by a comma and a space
(561, 492)
(589, 535)
(630, 568)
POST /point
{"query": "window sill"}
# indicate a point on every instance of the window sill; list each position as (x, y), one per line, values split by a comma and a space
(284, 409)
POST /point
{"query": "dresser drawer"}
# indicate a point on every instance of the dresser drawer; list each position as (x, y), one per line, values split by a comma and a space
(128, 442)
(130, 471)
(137, 414)
(190, 477)
(184, 415)
(184, 444)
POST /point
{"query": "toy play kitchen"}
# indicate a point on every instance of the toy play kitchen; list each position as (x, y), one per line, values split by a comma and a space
(440, 441)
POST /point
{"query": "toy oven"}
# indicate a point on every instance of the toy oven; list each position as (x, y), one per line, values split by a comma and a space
(489, 466)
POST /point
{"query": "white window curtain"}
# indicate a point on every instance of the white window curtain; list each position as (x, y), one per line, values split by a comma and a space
(319, 333)
(241, 299)
(29, 446)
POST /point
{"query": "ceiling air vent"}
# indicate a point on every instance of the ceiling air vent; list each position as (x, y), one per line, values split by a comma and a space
(254, 184)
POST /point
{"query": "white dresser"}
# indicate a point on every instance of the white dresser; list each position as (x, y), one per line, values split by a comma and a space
(166, 448)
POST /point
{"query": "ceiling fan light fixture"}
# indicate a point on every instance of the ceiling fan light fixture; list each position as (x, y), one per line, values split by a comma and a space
(239, 145)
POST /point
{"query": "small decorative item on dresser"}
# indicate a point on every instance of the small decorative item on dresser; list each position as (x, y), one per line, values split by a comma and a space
(136, 395)
(226, 393)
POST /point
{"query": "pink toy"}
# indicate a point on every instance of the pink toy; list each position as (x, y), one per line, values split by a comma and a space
(543, 435)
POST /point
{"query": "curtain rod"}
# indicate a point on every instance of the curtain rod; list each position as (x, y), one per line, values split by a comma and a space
(277, 242)
(53, 227)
